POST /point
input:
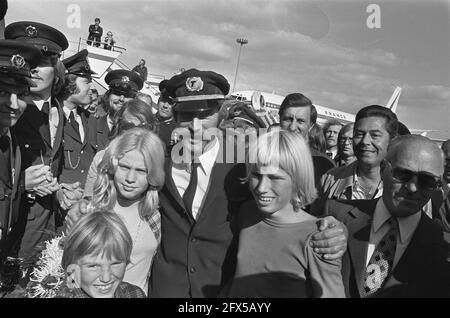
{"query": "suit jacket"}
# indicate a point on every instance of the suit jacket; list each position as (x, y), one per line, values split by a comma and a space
(196, 257)
(36, 219)
(440, 202)
(95, 34)
(79, 154)
(422, 271)
(10, 196)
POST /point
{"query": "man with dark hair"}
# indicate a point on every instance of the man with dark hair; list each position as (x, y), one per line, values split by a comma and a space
(141, 69)
(374, 128)
(395, 250)
(298, 114)
(80, 128)
(39, 132)
(16, 61)
(331, 131)
(95, 33)
(201, 198)
(123, 86)
(165, 116)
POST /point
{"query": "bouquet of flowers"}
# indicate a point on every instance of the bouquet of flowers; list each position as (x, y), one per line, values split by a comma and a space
(47, 278)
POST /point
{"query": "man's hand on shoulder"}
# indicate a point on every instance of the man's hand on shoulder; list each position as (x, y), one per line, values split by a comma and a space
(331, 240)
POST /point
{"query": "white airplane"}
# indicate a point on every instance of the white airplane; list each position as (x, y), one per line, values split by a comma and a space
(267, 105)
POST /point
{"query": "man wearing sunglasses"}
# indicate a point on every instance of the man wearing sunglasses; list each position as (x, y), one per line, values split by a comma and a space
(394, 248)
(123, 86)
(200, 200)
(165, 116)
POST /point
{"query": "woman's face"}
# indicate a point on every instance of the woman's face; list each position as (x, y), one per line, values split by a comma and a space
(98, 276)
(130, 178)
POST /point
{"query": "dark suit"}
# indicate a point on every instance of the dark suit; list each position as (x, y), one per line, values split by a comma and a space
(196, 257)
(36, 219)
(101, 137)
(440, 201)
(95, 34)
(422, 271)
(79, 154)
(10, 196)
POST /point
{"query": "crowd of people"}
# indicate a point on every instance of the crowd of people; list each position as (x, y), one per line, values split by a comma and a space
(202, 199)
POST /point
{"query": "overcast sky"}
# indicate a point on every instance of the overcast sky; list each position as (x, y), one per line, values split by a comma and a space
(322, 49)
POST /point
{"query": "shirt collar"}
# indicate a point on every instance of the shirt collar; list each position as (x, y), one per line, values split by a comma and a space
(40, 103)
(67, 112)
(407, 225)
(208, 158)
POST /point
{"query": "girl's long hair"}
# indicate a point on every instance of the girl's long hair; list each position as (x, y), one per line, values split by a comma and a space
(152, 149)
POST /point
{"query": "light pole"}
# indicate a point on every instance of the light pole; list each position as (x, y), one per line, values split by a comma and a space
(241, 41)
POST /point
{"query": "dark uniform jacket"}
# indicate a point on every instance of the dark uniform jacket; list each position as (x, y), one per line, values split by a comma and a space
(36, 217)
(78, 154)
(10, 196)
(95, 34)
(196, 257)
(422, 271)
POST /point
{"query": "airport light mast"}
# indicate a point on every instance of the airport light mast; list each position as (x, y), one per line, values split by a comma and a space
(241, 41)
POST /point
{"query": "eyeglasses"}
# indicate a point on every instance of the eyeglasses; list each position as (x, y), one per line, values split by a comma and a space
(425, 180)
(184, 117)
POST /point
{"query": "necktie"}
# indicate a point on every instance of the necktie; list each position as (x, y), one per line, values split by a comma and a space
(381, 262)
(45, 117)
(74, 124)
(188, 196)
(6, 160)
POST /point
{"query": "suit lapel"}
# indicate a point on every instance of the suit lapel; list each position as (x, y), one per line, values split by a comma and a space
(59, 130)
(172, 189)
(34, 118)
(358, 239)
(84, 120)
(413, 261)
(17, 165)
(70, 131)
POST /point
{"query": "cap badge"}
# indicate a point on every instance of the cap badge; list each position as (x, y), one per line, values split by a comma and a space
(194, 84)
(125, 79)
(31, 31)
(44, 48)
(237, 113)
(18, 61)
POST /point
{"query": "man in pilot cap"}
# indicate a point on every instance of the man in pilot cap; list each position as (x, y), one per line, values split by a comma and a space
(39, 132)
(200, 200)
(165, 116)
(80, 142)
(123, 86)
(16, 60)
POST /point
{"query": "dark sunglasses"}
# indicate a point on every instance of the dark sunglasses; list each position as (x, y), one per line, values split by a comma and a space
(184, 117)
(425, 180)
(127, 94)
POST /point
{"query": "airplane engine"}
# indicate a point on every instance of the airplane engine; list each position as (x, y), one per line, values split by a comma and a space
(258, 101)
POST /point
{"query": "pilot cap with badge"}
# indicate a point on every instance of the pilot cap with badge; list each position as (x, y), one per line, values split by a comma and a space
(16, 61)
(240, 112)
(78, 64)
(193, 90)
(123, 82)
(46, 38)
